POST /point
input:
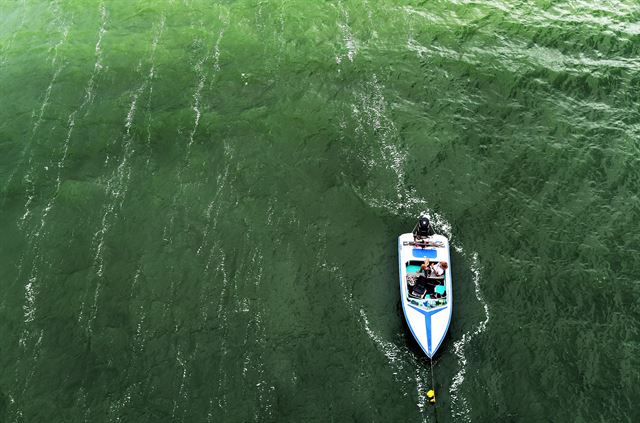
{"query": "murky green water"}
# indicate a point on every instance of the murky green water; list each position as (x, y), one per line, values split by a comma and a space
(200, 202)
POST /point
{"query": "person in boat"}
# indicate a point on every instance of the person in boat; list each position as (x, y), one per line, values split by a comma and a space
(424, 277)
(438, 269)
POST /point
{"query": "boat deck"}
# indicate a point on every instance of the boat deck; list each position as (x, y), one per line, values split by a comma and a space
(423, 291)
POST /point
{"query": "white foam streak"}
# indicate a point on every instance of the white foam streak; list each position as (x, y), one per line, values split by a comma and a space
(369, 112)
(347, 36)
(265, 406)
(396, 357)
(212, 222)
(216, 52)
(420, 376)
(140, 338)
(9, 44)
(45, 101)
(115, 193)
(461, 409)
(30, 298)
(183, 393)
(391, 351)
(36, 126)
(97, 67)
(151, 77)
(31, 287)
(225, 283)
(202, 78)
(221, 317)
(118, 184)
(196, 102)
(38, 116)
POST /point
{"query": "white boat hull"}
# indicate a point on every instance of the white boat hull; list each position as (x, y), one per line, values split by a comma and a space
(428, 319)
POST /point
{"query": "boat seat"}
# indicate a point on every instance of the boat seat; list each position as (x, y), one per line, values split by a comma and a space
(412, 278)
(412, 268)
(436, 278)
(418, 291)
(440, 289)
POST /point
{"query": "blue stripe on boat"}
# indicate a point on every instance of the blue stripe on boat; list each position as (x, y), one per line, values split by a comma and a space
(420, 253)
(427, 321)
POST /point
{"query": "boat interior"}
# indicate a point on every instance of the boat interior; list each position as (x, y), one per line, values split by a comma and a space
(421, 286)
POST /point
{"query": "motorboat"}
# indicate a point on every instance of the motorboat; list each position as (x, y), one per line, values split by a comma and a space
(425, 284)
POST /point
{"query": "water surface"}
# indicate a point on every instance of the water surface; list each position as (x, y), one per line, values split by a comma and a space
(199, 206)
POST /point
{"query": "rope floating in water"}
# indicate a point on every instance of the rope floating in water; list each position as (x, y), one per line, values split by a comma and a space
(431, 393)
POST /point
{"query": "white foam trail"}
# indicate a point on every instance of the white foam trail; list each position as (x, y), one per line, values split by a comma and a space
(9, 44)
(461, 409)
(65, 149)
(27, 205)
(212, 222)
(215, 55)
(214, 253)
(140, 336)
(391, 351)
(202, 78)
(30, 299)
(196, 102)
(367, 7)
(34, 129)
(97, 66)
(116, 407)
(38, 115)
(151, 78)
(420, 377)
(396, 357)
(47, 95)
(225, 283)
(221, 317)
(60, 166)
(34, 357)
(134, 282)
(264, 411)
(370, 112)
(183, 392)
(254, 343)
(138, 343)
(216, 51)
(31, 287)
(45, 101)
(347, 36)
(118, 184)
(371, 115)
(115, 192)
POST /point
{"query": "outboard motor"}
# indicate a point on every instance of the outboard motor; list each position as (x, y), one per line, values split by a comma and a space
(423, 229)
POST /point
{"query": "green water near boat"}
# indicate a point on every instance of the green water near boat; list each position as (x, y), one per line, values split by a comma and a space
(200, 204)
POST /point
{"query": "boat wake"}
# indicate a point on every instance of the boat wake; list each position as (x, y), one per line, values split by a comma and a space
(461, 408)
(405, 366)
(383, 156)
(347, 37)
